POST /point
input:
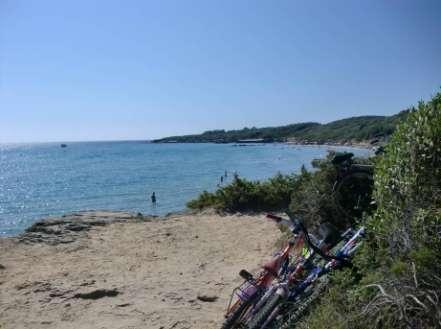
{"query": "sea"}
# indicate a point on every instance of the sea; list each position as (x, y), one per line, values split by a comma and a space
(41, 180)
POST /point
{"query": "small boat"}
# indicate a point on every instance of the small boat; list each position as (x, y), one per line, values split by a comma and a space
(63, 145)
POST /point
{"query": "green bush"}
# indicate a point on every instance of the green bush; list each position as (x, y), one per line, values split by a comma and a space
(244, 195)
(307, 194)
(316, 198)
(401, 259)
(312, 199)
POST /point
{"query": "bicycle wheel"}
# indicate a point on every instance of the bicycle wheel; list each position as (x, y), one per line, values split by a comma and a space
(233, 319)
(292, 315)
(259, 319)
(353, 194)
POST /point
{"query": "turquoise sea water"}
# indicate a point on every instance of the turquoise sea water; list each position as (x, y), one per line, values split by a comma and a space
(41, 180)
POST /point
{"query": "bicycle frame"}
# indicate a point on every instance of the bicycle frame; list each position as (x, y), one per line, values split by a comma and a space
(252, 289)
(271, 270)
(290, 293)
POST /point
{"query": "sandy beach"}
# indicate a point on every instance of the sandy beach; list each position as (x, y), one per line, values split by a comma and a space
(117, 270)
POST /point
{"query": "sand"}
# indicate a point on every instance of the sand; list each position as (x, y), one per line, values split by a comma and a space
(129, 273)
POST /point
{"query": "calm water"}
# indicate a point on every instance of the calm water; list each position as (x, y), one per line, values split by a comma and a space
(41, 180)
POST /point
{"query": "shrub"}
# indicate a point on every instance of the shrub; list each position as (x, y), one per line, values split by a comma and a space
(307, 194)
(401, 260)
(244, 195)
(316, 200)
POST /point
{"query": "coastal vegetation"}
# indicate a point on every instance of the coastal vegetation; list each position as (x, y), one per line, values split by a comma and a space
(245, 195)
(395, 280)
(355, 129)
(308, 194)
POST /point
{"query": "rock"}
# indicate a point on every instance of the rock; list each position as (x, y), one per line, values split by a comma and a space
(207, 298)
(2, 267)
(77, 227)
(61, 230)
(97, 294)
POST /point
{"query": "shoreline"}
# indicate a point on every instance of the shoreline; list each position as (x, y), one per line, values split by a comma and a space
(120, 214)
(360, 145)
(118, 270)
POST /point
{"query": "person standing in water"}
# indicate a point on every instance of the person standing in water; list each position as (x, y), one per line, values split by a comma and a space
(153, 198)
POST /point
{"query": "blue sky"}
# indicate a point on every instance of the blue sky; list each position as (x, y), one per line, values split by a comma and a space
(106, 70)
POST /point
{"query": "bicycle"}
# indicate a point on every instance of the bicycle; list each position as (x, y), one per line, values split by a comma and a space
(252, 289)
(289, 290)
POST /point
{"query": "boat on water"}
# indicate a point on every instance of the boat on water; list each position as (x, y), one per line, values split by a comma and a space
(63, 145)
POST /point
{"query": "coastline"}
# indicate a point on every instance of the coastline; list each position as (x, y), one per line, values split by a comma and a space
(371, 145)
(364, 144)
(117, 269)
(359, 144)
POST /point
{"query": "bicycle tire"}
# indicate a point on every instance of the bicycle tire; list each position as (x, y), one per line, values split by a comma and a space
(303, 305)
(231, 321)
(263, 314)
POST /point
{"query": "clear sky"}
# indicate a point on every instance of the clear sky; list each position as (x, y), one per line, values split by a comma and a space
(100, 70)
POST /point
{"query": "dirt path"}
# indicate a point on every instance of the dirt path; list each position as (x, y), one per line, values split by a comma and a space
(131, 273)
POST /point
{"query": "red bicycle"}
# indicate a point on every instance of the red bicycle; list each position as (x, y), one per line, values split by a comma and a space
(253, 288)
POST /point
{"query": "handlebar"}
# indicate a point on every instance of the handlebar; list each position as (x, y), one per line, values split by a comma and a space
(296, 226)
(292, 224)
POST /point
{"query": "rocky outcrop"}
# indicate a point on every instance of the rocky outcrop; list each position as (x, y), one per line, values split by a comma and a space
(68, 228)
